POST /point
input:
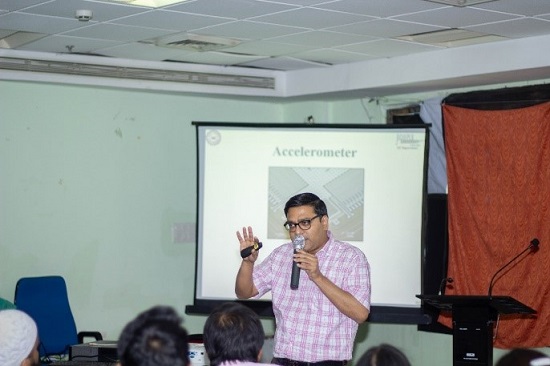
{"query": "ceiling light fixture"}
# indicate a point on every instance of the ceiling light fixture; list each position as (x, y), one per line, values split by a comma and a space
(461, 3)
(149, 3)
(452, 37)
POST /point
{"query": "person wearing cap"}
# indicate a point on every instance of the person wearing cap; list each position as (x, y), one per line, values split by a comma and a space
(18, 339)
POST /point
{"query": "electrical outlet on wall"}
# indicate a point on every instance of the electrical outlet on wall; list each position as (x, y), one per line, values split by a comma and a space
(183, 232)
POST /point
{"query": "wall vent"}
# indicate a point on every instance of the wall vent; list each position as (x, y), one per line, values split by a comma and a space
(193, 42)
(83, 69)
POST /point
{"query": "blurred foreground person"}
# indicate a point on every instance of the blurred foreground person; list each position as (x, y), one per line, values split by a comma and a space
(383, 355)
(154, 338)
(233, 335)
(18, 339)
(524, 357)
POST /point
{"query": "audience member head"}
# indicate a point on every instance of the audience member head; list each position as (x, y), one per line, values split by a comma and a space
(523, 357)
(18, 339)
(383, 355)
(154, 338)
(233, 332)
(5, 304)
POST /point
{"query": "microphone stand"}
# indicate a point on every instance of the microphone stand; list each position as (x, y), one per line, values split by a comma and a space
(534, 244)
(443, 284)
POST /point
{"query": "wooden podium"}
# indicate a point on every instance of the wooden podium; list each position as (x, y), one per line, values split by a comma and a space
(473, 322)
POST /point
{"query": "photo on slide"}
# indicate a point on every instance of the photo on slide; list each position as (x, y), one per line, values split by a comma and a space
(342, 190)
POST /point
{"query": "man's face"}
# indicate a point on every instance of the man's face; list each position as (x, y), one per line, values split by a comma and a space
(316, 236)
(34, 356)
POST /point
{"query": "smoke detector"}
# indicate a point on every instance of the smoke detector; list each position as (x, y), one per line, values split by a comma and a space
(83, 15)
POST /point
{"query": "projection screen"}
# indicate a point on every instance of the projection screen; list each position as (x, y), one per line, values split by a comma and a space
(372, 178)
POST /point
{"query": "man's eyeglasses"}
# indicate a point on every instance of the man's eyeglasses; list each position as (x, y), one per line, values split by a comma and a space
(303, 224)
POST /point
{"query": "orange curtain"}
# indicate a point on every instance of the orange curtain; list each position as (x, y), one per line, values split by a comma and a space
(498, 166)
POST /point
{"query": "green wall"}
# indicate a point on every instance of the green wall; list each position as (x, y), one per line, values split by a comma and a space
(92, 180)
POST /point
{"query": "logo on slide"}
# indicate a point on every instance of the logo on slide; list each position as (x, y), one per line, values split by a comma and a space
(213, 137)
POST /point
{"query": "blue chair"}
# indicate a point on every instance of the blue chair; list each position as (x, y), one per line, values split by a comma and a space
(46, 300)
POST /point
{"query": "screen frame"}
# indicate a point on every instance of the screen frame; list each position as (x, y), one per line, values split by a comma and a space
(378, 314)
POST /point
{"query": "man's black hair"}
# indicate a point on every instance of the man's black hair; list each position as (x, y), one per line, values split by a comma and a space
(154, 338)
(233, 332)
(307, 199)
(383, 355)
(520, 357)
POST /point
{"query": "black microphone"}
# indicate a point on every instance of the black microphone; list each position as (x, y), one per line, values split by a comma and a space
(298, 244)
(533, 245)
(247, 251)
(444, 283)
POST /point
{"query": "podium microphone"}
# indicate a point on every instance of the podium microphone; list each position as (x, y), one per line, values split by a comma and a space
(533, 245)
(298, 244)
(443, 284)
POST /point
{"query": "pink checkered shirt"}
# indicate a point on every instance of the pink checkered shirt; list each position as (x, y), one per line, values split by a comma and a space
(309, 327)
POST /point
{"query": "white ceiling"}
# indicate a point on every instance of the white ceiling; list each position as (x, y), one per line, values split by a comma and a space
(285, 35)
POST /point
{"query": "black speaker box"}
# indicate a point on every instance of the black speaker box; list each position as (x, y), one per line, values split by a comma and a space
(435, 256)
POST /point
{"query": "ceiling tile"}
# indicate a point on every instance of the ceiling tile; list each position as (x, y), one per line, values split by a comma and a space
(216, 58)
(142, 51)
(380, 8)
(523, 7)
(37, 23)
(237, 9)
(388, 48)
(5, 32)
(332, 56)
(302, 2)
(117, 32)
(280, 32)
(13, 5)
(312, 18)
(267, 48)
(250, 30)
(322, 38)
(524, 27)
(283, 63)
(164, 19)
(456, 17)
(386, 28)
(101, 11)
(64, 44)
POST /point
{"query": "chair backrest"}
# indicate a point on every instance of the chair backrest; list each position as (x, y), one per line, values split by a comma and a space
(45, 299)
